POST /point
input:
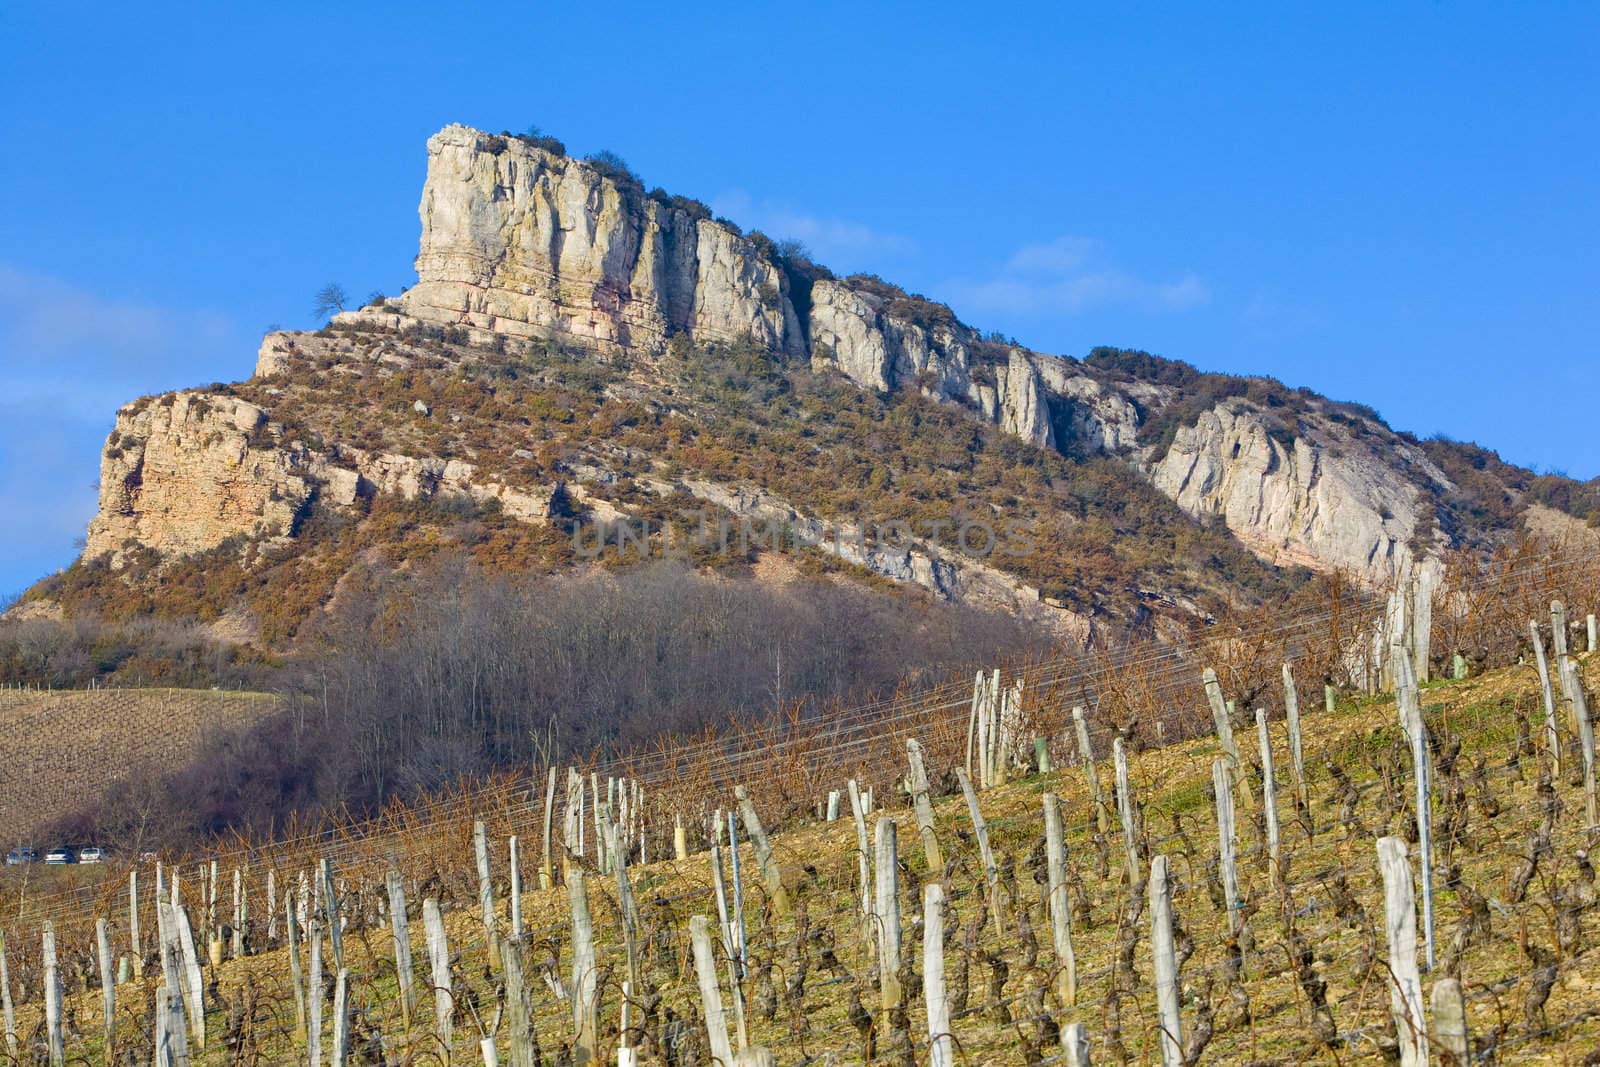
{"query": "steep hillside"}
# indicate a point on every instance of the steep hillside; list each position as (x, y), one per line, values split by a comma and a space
(587, 371)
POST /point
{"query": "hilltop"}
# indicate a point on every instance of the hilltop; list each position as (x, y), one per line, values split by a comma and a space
(579, 351)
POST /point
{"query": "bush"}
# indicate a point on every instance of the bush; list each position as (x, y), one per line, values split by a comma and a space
(538, 139)
(612, 166)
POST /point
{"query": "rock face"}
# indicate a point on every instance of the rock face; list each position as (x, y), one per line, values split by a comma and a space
(519, 241)
(947, 574)
(1297, 503)
(187, 471)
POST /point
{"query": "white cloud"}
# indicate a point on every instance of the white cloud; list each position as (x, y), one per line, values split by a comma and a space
(1072, 274)
(837, 243)
(1062, 254)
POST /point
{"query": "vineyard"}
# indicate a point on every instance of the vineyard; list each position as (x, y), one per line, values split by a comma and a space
(59, 749)
(1129, 861)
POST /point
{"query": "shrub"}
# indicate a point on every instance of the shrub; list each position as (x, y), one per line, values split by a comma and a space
(539, 139)
(612, 166)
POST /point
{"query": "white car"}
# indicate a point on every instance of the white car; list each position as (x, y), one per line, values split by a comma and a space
(92, 855)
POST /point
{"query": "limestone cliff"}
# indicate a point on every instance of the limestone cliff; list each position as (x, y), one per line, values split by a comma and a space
(519, 241)
(187, 471)
(1303, 501)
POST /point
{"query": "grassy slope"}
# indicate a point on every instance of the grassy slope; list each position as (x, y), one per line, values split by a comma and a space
(819, 865)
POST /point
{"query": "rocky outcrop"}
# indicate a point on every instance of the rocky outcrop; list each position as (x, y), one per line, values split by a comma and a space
(519, 241)
(855, 332)
(187, 471)
(1297, 502)
(940, 570)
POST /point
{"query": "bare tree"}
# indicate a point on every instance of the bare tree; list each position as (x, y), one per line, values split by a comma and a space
(330, 298)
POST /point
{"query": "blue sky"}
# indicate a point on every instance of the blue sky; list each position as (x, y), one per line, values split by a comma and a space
(1394, 203)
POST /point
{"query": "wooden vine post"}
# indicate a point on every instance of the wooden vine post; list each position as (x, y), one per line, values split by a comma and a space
(193, 984)
(272, 906)
(1552, 734)
(705, 967)
(1224, 724)
(625, 901)
(439, 966)
(858, 811)
(1075, 1043)
(1222, 785)
(770, 873)
(922, 805)
(1291, 714)
(135, 942)
(108, 985)
(572, 820)
(241, 912)
(730, 944)
(1407, 696)
(887, 913)
(173, 1040)
(1086, 757)
(341, 1018)
(1451, 1040)
(547, 877)
(1130, 839)
(1060, 906)
(941, 1044)
(314, 1030)
(1585, 725)
(1164, 956)
(52, 997)
(1269, 798)
(736, 922)
(6, 1006)
(991, 870)
(977, 728)
(585, 975)
(480, 851)
(400, 930)
(296, 975)
(1400, 923)
(331, 911)
(514, 859)
(521, 1035)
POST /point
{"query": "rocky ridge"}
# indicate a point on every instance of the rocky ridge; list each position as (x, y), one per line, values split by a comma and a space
(518, 242)
(522, 246)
